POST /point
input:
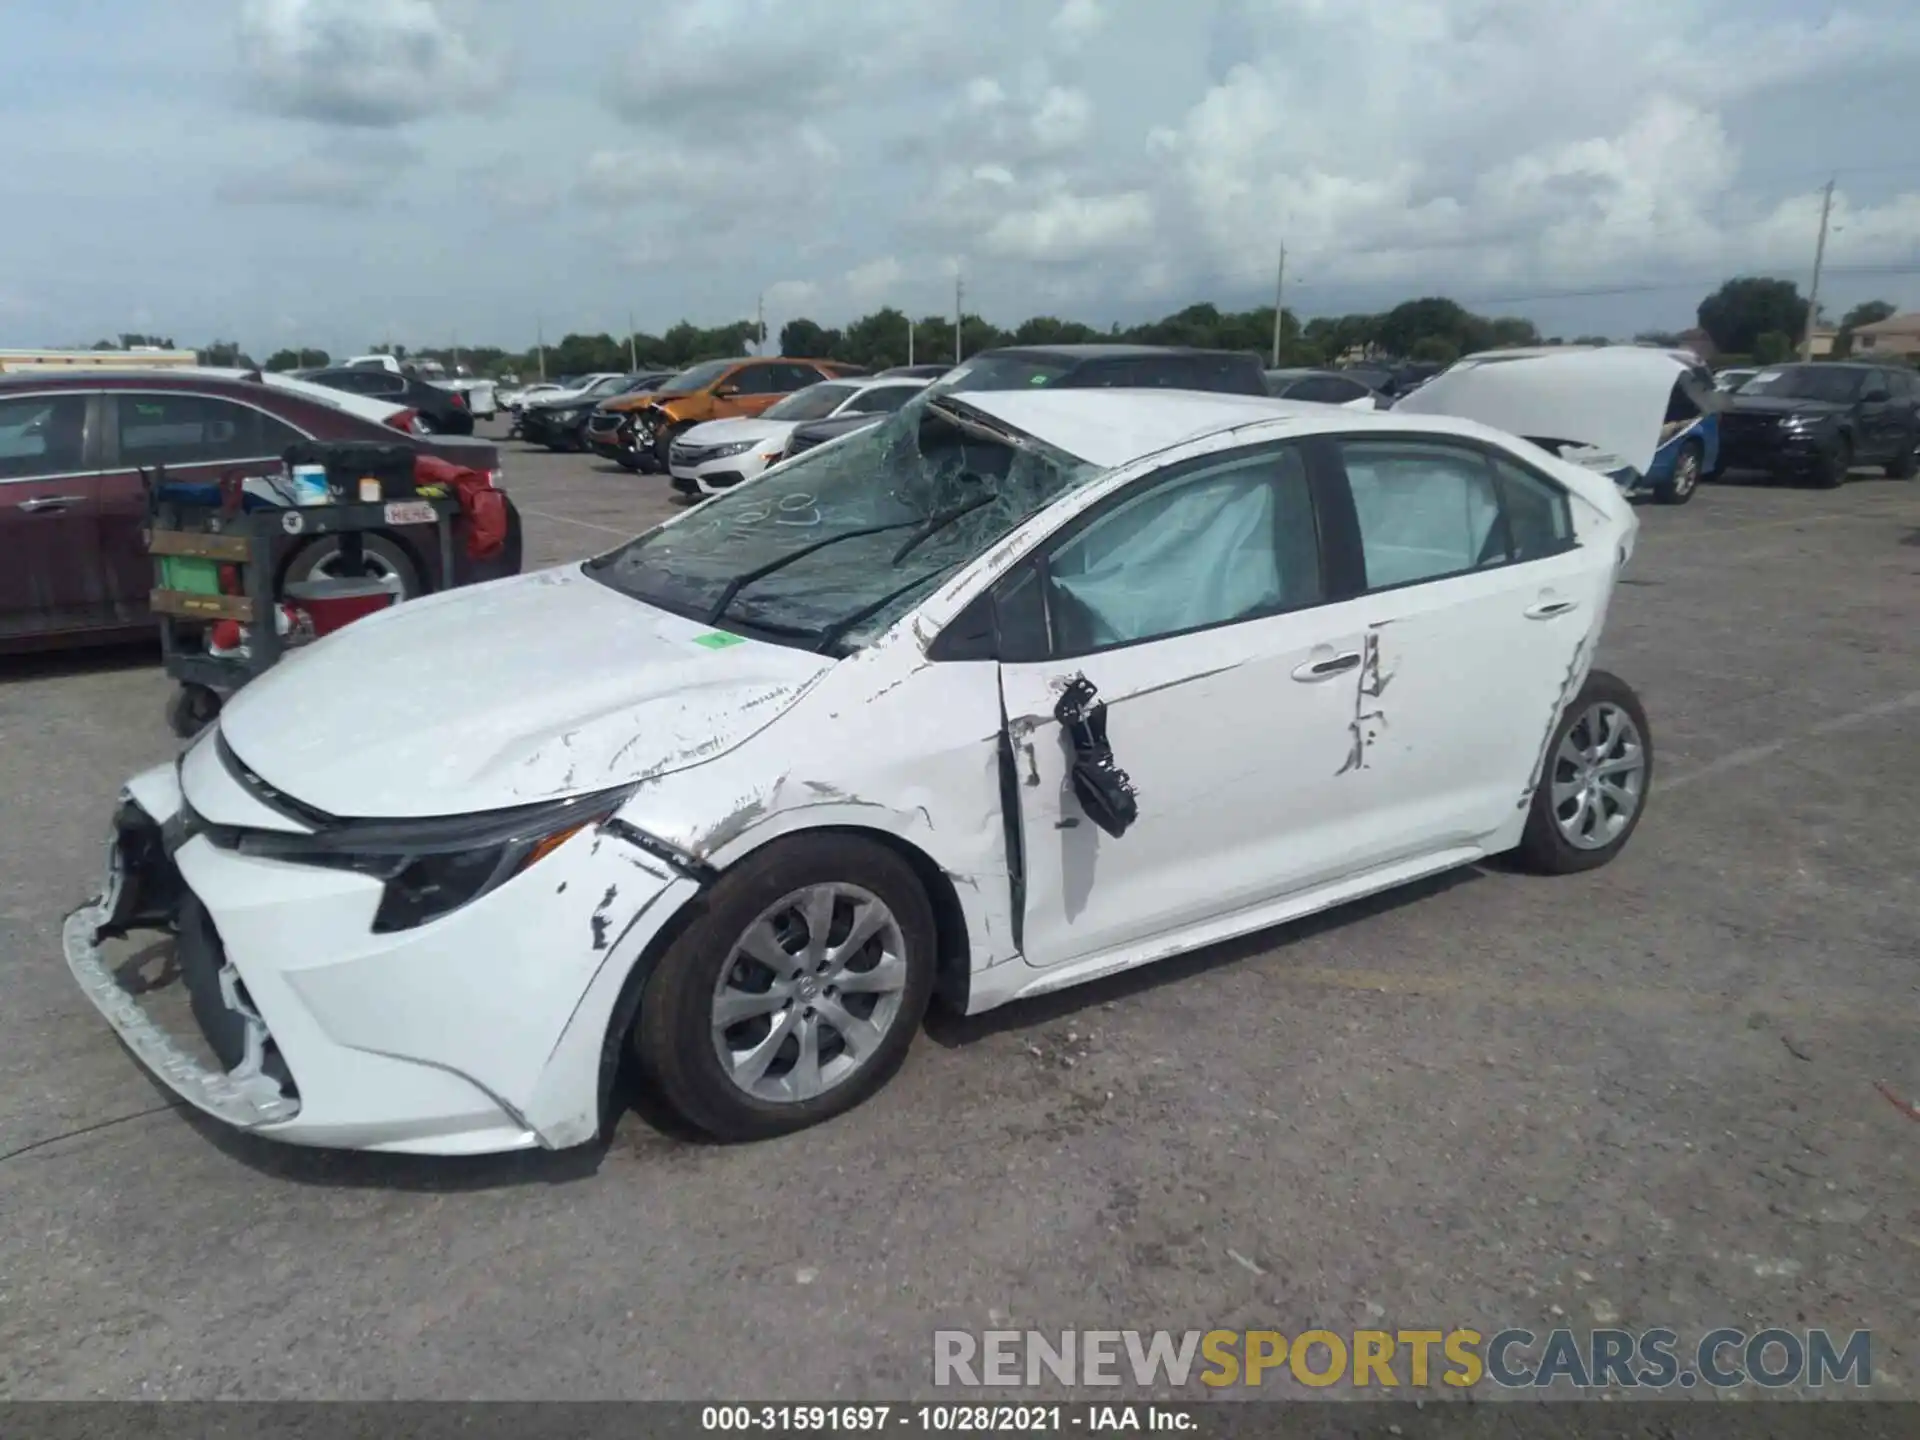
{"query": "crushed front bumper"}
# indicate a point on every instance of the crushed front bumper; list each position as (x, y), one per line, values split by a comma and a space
(312, 1029)
(143, 890)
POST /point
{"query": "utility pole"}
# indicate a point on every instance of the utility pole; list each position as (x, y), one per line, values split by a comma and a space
(1819, 257)
(959, 292)
(909, 339)
(633, 362)
(540, 345)
(760, 325)
(1279, 294)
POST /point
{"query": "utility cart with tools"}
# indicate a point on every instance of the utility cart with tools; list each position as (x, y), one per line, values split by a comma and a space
(217, 551)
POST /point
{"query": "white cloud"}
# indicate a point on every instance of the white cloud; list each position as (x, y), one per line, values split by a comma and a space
(1077, 20)
(1062, 120)
(1067, 227)
(983, 92)
(870, 284)
(789, 296)
(375, 63)
(343, 172)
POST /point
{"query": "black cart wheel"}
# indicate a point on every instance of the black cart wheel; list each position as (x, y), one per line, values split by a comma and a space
(191, 710)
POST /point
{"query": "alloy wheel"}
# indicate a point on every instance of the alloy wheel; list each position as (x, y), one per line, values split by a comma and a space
(810, 991)
(1599, 777)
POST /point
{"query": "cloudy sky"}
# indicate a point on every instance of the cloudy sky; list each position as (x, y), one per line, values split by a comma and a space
(342, 171)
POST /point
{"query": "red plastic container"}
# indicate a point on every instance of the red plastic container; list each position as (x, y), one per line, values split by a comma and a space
(334, 603)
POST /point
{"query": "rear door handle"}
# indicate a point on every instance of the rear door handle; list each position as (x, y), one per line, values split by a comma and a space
(1326, 669)
(49, 502)
(1547, 609)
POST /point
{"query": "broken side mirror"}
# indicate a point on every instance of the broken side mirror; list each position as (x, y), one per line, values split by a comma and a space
(1104, 790)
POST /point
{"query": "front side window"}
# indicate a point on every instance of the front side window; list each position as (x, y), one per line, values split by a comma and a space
(881, 399)
(697, 377)
(835, 545)
(41, 435)
(184, 429)
(1425, 510)
(1233, 541)
(757, 380)
(816, 402)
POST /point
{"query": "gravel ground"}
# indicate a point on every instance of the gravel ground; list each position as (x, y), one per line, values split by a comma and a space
(1644, 1096)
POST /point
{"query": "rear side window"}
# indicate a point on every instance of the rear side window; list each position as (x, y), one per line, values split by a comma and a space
(1325, 389)
(1539, 519)
(1425, 510)
(184, 429)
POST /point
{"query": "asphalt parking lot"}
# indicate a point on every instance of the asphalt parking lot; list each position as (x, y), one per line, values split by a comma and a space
(1643, 1097)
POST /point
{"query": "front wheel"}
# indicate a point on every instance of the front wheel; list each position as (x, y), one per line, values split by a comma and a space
(1830, 473)
(1593, 787)
(1678, 488)
(795, 993)
(1903, 465)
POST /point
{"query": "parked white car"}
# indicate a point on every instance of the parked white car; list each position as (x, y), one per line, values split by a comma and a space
(1004, 693)
(720, 454)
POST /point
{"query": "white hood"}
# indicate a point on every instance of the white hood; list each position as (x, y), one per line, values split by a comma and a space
(732, 432)
(537, 687)
(1612, 401)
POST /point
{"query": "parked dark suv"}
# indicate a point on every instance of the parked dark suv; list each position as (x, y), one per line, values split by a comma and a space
(436, 411)
(1106, 367)
(74, 567)
(1817, 421)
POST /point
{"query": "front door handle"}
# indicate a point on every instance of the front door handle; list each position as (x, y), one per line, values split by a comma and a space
(1547, 609)
(49, 502)
(1326, 669)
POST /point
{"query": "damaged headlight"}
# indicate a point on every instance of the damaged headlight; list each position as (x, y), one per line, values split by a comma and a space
(430, 868)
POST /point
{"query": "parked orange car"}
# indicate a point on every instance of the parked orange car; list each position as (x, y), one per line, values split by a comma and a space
(636, 430)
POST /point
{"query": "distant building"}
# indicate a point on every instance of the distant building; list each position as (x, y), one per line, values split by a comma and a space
(1822, 346)
(1897, 337)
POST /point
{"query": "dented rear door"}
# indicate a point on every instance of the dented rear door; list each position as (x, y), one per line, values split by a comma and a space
(1479, 625)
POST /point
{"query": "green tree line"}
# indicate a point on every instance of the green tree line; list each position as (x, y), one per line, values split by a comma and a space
(1753, 317)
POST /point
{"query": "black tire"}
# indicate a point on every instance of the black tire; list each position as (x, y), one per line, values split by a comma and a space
(1543, 847)
(1903, 465)
(1687, 465)
(672, 1039)
(386, 552)
(628, 462)
(1831, 472)
(190, 709)
(662, 444)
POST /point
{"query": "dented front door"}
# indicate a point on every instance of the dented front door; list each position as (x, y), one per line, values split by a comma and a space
(1231, 739)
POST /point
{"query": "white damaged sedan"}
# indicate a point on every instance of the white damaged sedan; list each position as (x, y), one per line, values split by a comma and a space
(1005, 693)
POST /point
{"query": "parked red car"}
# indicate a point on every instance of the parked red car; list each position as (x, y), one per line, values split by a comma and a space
(74, 567)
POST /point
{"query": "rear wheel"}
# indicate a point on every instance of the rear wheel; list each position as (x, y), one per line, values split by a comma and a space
(1903, 465)
(386, 560)
(1678, 488)
(794, 995)
(1593, 787)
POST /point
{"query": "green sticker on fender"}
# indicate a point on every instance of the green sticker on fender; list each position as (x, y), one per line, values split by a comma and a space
(719, 640)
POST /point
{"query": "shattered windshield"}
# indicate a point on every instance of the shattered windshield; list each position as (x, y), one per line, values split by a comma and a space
(1806, 382)
(1004, 372)
(832, 547)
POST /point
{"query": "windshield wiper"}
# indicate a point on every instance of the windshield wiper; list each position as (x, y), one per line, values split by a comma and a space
(760, 572)
(834, 633)
(937, 522)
